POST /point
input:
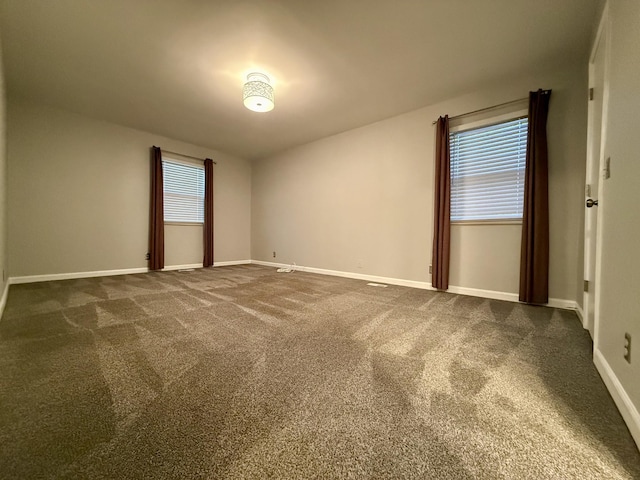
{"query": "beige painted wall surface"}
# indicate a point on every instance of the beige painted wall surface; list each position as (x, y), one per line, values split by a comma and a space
(485, 255)
(183, 244)
(620, 281)
(362, 201)
(3, 181)
(78, 195)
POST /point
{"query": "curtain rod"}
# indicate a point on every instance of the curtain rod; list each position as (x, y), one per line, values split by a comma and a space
(188, 156)
(486, 109)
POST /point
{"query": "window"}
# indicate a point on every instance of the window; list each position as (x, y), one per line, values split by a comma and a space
(183, 192)
(487, 171)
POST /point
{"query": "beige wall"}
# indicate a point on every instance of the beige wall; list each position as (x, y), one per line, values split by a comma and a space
(362, 201)
(183, 244)
(78, 196)
(493, 270)
(620, 280)
(3, 182)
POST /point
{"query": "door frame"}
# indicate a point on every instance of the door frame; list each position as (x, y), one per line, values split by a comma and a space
(603, 35)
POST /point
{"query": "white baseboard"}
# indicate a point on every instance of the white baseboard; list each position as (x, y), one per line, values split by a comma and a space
(583, 320)
(199, 265)
(273, 264)
(231, 263)
(474, 292)
(74, 275)
(562, 303)
(188, 266)
(509, 297)
(580, 314)
(627, 409)
(3, 301)
(109, 273)
(356, 276)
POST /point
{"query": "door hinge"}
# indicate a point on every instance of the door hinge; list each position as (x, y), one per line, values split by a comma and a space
(587, 190)
(607, 168)
(586, 285)
(591, 93)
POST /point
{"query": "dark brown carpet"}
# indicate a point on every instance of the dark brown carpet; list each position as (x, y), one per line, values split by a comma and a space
(242, 372)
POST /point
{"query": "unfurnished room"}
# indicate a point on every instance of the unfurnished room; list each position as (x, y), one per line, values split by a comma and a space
(368, 239)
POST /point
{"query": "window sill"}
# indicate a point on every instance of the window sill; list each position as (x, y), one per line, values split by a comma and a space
(185, 224)
(486, 222)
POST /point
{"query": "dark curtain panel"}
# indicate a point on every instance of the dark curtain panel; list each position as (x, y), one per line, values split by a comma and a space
(156, 227)
(208, 213)
(534, 254)
(442, 210)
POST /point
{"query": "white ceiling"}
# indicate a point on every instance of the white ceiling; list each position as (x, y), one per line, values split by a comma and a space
(176, 67)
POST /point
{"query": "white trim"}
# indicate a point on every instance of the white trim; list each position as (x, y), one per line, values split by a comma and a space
(74, 275)
(580, 314)
(189, 266)
(474, 292)
(231, 263)
(627, 409)
(189, 161)
(604, 33)
(273, 264)
(509, 297)
(602, 207)
(485, 122)
(356, 276)
(477, 292)
(109, 273)
(563, 304)
(5, 294)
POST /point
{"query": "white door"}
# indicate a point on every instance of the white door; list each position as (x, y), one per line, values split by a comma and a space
(595, 165)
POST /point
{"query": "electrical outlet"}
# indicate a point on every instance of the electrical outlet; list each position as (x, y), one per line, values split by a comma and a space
(147, 256)
(274, 254)
(430, 268)
(627, 347)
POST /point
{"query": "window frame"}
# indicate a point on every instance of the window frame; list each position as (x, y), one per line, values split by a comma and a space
(188, 164)
(487, 122)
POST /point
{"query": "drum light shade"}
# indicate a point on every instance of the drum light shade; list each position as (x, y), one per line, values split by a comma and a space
(257, 93)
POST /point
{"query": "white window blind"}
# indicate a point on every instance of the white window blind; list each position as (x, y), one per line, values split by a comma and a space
(183, 192)
(487, 171)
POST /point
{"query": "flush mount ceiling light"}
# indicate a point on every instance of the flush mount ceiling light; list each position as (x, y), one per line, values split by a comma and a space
(257, 93)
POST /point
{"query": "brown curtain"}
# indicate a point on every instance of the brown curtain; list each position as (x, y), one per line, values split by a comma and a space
(208, 213)
(156, 227)
(534, 254)
(442, 210)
